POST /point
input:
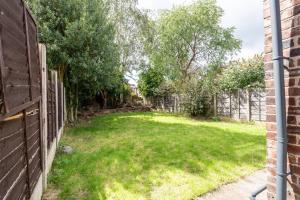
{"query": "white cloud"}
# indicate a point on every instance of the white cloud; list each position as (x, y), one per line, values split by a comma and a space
(245, 15)
(247, 18)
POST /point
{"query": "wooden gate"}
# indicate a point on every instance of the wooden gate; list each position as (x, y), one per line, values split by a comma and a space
(20, 102)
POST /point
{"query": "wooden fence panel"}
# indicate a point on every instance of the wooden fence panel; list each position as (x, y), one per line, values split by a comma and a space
(51, 109)
(20, 95)
(14, 68)
(19, 60)
(33, 140)
(24, 137)
(244, 112)
(60, 105)
(240, 105)
(12, 159)
(20, 155)
(258, 106)
(33, 56)
(244, 105)
(224, 100)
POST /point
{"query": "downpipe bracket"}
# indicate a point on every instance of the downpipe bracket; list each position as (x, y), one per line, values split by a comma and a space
(263, 188)
(281, 58)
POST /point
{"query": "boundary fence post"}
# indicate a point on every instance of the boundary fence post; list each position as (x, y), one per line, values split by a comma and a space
(44, 111)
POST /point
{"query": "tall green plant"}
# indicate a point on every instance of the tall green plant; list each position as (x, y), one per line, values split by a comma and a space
(191, 38)
(243, 74)
(150, 81)
(81, 46)
(128, 21)
(188, 45)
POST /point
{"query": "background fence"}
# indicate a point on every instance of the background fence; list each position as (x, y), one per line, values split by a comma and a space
(240, 105)
(173, 103)
(25, 154)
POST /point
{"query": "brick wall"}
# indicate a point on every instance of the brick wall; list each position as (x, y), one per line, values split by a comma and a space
(290, 13)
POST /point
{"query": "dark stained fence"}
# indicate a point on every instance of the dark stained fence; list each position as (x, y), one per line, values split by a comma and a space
(33, 144)
(51, 106)
(20, 71)
(20, 154)
(60, 104)
(13, 161)
(20, 95)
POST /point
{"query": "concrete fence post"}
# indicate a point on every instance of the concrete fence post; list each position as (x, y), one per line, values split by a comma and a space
(44, 129)
(249, 105)
(259, 105)
(239, 104)
(230, 105)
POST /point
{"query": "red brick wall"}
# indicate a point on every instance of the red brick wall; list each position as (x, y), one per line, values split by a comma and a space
(290, 13)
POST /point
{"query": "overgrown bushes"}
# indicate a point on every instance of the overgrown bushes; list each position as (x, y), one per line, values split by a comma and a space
(201, 91)
(243, 74)
(184, 46)
(189, 52)
(86, 44)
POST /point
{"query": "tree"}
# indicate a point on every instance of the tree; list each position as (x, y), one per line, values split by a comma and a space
(188, 45)
(191, 39)
(150, 81)
(243, 74)
(127, 18)
(81, 47)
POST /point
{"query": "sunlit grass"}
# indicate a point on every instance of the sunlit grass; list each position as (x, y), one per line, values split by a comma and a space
(155, 156)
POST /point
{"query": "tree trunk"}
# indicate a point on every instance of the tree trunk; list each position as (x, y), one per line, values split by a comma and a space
(215, 105)
(121, 98)
(70, 107)
(61, 72)
(73, 102)
(76, 103)
(104, 97)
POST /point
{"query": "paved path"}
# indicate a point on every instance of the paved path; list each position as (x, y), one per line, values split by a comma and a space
(240, 190)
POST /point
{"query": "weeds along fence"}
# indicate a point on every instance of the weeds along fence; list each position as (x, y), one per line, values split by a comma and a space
(31, 106)
(240, 105)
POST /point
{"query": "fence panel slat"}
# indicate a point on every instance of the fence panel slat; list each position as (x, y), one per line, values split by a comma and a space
(3, 102)
(28, 51)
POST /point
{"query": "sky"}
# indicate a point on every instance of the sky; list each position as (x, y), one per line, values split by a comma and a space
(245, 15)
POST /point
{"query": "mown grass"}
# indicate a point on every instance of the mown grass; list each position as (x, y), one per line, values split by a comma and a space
(155, 156)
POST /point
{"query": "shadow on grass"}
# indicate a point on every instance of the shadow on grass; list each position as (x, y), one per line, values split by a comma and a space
(135, 156)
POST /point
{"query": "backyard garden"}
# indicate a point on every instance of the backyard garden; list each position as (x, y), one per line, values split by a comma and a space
(154, 155)
(111, 54)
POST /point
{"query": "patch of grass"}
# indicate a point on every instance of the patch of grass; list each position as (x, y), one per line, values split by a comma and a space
(155, 156)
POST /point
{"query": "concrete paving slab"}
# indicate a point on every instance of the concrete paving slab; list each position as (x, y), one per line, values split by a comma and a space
(240, 190)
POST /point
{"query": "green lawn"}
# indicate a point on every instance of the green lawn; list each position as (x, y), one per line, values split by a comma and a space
(155, 156)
